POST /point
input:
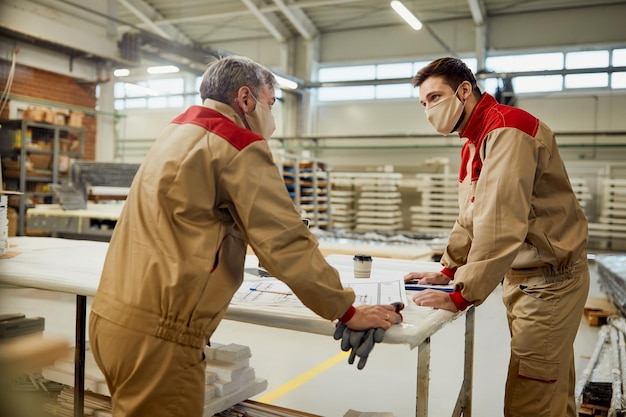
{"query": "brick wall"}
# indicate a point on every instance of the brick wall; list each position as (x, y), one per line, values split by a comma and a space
(44, 85)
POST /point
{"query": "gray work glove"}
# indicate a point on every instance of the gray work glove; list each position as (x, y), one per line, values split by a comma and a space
(360, 342)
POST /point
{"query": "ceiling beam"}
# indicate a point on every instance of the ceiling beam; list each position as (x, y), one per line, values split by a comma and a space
(299, 20)
(245, 12)
(477, 8)
(147, 14)
(271, 26)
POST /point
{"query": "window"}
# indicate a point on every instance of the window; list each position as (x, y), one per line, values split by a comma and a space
(619, 58)
(156, 93)
(404, 90)
(539, 83)
(366, 92)
(529, 62)
(352, 73)
(390, 71)
(533, 82)
(400, 70)
(587, 59)
(618, 80)
(595, 80)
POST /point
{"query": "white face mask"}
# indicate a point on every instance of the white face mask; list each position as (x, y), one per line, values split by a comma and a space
(261, 120)
(444, 115)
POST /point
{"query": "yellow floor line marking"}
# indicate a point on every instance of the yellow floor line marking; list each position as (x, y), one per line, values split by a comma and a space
(272, 396)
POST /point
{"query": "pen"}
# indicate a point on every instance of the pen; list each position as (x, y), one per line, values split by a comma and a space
(422, 288)
(271, 292)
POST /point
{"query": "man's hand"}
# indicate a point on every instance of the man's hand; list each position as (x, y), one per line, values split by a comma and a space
(374, 316)
(427, 278)
(361, 342)
(435, 299)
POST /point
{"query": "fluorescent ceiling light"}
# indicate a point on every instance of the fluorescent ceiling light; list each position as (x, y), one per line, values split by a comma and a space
(285, 83)
(165, 69)
(406, 14)
(122, 72)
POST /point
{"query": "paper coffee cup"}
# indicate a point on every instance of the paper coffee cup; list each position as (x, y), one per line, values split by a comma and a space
(362, 266)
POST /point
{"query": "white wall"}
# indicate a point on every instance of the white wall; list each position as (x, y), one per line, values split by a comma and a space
(580, 113)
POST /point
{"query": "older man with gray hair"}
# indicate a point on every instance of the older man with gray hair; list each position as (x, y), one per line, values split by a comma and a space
(207, 188)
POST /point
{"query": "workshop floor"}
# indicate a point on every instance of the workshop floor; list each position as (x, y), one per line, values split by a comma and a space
(308, 372)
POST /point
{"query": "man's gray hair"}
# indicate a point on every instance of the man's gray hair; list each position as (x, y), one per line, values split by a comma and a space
(224, 76)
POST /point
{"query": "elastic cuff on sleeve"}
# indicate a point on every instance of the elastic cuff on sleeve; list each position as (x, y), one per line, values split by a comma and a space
(458, 300)
(448, 272)
(348, 315)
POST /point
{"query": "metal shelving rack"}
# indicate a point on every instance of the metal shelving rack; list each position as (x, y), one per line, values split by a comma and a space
(18, 144)
(307, 180)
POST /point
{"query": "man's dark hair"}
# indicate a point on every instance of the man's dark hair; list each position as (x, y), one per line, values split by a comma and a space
(452, 70)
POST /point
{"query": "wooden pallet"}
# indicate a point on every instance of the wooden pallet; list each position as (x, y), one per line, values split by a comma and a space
(593, 410)
(598, 310)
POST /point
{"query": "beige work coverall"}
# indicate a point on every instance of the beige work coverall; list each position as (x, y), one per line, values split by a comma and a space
(520, 220)
(206, 189)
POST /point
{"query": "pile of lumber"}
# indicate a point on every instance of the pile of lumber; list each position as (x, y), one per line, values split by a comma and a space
(600, 391)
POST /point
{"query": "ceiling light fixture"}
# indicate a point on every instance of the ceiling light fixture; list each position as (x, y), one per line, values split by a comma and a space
(121, 72)
(165, 69)
(406, 14)
(285, 83)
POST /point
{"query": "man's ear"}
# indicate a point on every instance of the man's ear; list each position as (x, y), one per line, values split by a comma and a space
(244, 99)
(466, 90)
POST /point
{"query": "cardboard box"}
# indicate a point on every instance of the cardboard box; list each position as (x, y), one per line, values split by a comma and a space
(76, 118)
(61, 116)
(38, 114)
(33, 113)
(12, 217)
(40, 160)
(64, 163)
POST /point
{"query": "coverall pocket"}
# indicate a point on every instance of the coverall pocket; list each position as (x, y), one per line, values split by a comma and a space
(538, 370)
(532, 392)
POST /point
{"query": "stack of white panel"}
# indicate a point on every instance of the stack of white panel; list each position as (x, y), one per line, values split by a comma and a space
(439, 206)
(379, 202)
(612, 220)
(342, 209)
(229, 379)
(581, 189)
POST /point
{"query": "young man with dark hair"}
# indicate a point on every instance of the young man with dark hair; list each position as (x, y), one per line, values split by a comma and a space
(519, 223)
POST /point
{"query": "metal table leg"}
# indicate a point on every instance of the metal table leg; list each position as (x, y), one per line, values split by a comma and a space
(423, 378)
(464, 401)
(79, 356)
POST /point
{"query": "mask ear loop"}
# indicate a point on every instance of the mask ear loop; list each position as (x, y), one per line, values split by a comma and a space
(457, 89)
(243, 113)
(458, 122)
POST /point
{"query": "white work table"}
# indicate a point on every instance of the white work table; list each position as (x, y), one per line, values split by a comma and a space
(98, 220)
(73, 267)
